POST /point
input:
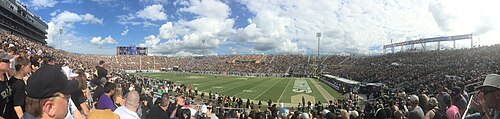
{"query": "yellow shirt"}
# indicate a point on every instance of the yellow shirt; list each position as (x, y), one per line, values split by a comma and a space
(102, 114)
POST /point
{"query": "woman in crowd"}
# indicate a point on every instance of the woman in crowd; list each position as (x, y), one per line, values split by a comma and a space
(78, 96)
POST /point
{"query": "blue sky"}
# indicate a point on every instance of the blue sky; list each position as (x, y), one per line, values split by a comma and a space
(221, 27)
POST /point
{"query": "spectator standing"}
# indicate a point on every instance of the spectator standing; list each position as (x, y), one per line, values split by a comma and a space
(78, 96)
(452, 111)
(160, 111)
(105, 101)
(458, 99)
(416, 111)
(101, 71)
(99, 90)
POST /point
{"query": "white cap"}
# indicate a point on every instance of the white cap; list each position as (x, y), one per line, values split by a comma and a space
(414, 98)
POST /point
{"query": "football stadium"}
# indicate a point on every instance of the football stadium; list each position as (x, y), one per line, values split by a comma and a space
(255, 88)
(249, 59)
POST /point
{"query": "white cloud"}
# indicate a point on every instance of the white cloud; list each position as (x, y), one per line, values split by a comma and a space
(153, 12)
(125, 32)
(207, 31)
(208, 8)
(347, 26)
(43, 3)
(289, 47)
(144, 17)
(106, 2)
(103, 41)
(89, 18)
(67, 17)
(184, 54)
(352, 27)
(153, 1)
(69, 40)
(52, 14)
(150, 41)
(167, 31)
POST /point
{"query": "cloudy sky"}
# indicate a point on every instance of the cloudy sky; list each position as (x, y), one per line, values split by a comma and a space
(221, 27)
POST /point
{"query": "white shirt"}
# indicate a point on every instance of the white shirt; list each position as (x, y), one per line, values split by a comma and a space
(125, 113)
(66, 70)
(71, 108)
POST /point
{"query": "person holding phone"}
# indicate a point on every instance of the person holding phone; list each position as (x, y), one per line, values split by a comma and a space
(486, 101)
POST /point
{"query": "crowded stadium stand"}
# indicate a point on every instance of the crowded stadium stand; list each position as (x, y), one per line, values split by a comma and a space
(388, 76)
(386, 84)
(18, 20)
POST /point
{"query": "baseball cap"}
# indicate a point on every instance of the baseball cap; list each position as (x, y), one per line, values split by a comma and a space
(492, 80)
(47, 81)
(5, 56)
(413, 98)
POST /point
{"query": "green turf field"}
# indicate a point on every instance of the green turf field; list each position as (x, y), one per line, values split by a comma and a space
(254, 88)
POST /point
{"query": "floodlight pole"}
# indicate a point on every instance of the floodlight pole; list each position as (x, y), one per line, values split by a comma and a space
(317, 65)
(61, 31)
(140, 62)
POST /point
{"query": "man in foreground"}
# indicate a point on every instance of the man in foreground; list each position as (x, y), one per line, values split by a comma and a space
(47, 92)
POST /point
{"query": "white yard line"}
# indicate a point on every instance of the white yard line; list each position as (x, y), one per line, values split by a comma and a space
(279, 99)
(322, 90)
(237, 87)
(252, 87)
(267, 89)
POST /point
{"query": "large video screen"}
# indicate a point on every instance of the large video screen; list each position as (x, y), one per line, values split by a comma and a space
(131, 51)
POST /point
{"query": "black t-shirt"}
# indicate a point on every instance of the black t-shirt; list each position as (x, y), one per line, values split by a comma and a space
(18, 92)
(78, 98)
(157, 113)
(101, 72)
(6, 106)
(98, 92)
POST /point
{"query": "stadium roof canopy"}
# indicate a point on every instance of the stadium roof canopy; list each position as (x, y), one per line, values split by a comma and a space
(427, 40)
(344, 80)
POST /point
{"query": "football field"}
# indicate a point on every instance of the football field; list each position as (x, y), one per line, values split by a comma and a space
(288, 90)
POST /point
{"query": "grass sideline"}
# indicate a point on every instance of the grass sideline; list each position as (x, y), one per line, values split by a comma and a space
(246, 87)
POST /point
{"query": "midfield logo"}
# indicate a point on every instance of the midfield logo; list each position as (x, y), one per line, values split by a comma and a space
(301, 86)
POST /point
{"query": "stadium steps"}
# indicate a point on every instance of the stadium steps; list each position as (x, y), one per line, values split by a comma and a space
(308, 59)
(272, 59)
(263, 59)
(347, 58)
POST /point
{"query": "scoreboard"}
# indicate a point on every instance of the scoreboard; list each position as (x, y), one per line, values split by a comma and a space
(131, 50)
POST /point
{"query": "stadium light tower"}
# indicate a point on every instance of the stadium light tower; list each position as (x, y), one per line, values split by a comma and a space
(317, 66)
(61, 31)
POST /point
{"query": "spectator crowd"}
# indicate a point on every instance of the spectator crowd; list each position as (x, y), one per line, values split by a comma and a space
(42, 82)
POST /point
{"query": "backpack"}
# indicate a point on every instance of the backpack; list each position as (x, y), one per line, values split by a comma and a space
(439, 114)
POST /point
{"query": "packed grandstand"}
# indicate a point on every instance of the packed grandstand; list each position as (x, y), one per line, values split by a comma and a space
(418, 73)
(392, 85)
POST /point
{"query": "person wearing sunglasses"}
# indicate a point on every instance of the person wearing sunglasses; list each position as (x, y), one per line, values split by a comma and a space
(47, 92)
(487, 100)
(6, 107)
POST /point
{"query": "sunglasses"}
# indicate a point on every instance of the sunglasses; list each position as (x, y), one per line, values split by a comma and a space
(5, 61)
(486, 91)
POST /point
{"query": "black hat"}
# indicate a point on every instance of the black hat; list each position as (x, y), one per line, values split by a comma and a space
(47, 81)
